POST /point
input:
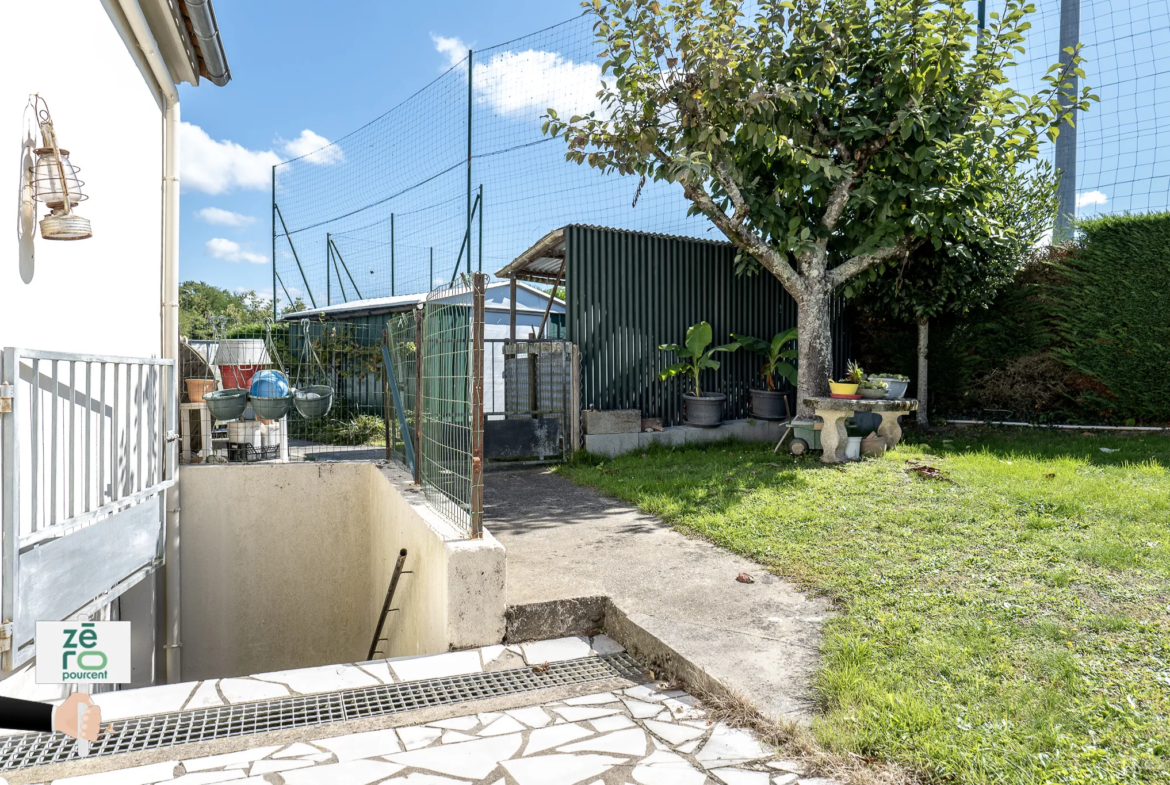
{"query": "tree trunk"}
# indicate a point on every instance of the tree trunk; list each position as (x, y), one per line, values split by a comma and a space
(815, 344)
(923, 362)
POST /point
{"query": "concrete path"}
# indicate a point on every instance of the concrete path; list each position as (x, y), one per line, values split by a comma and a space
(759, 640)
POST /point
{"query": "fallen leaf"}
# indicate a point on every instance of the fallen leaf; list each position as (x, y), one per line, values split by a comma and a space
(743, 577)
(541, 668)
(1049, 476)
(929, 472)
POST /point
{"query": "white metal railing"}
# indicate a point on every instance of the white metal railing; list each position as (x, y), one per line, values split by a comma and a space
(86, 441)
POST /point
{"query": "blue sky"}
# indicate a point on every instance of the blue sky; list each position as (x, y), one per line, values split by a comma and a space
(297, 65)
(302, 78)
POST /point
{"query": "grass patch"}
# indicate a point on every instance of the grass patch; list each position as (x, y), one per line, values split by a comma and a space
(1010, 627)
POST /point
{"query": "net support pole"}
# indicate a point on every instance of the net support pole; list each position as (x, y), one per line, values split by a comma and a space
(470, 54)
(328, 273)
(283, 225)
(391, 254)
(273, 217)
(1066, 142)
(479, 290)
(431, 282)
(479, 204)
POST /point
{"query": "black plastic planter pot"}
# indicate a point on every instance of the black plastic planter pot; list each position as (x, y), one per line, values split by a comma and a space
(767, 405)
(704, 412)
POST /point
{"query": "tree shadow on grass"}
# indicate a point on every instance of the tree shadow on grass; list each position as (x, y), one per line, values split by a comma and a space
(1097, 448)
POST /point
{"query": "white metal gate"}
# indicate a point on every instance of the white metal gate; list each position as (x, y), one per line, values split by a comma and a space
(87, 450)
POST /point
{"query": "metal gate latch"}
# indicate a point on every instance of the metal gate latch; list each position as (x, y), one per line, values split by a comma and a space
(6, 393)
(6, 636)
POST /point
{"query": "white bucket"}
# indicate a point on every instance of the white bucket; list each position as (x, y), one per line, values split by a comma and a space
(853, 448)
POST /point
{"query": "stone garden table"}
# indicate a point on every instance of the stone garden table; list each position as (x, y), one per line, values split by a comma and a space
(834, 411)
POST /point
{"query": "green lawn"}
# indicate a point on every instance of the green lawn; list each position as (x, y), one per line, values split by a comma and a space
(1012, 625)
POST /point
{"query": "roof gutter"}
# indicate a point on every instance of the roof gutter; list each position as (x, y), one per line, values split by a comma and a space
(207, 39)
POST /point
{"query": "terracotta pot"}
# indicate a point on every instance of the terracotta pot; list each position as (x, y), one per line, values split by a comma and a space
(197, 388)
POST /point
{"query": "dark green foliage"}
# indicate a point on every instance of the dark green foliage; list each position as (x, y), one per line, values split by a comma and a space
(245, 311)
(1113, 312)
(1082, 335)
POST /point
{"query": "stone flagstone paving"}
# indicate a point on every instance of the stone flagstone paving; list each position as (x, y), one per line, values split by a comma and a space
(644, 735)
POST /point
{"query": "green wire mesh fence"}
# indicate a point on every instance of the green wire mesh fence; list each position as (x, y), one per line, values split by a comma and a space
(451, 444)
(404, 335)
(438, 349)
(339, 364)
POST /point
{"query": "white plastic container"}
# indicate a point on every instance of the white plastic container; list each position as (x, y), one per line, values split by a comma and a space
(244, 432)
(853, 448)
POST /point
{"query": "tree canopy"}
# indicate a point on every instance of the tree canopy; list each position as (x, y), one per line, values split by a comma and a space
(198, 301)
(822, 137)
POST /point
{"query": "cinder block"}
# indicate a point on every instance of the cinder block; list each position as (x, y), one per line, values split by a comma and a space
(614, 421)
(612, 445)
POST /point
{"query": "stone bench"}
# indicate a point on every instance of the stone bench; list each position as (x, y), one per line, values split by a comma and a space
(834, 411)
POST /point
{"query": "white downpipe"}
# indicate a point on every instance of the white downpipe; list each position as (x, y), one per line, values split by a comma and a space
(170, 306)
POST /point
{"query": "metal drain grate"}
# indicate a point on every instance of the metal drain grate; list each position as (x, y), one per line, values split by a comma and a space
(186, 727)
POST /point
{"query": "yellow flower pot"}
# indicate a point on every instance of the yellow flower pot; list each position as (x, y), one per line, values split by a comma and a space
(841, 388)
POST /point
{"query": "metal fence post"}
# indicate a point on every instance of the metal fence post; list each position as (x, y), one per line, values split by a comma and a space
(418, 395)
(386, 391)
(1066, 142)
(10, 497)
(479, 290)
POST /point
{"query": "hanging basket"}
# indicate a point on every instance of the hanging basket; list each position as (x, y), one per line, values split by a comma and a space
(271, 408)
(313, 401)
(226, 405)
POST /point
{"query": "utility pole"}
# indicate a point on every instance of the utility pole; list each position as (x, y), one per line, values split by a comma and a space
(1066, 142)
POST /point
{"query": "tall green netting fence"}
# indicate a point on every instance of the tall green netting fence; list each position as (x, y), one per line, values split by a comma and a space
(459, 177)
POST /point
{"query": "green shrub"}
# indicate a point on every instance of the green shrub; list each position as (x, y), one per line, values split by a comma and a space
(1112, 313)
(362, 429)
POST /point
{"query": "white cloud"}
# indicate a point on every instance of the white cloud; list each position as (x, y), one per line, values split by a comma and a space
(1092, 197)
(514, 83)
(220, 217)
(216, 167)
(517, 82)
(231, 251)
(453, 49)
(314, 148)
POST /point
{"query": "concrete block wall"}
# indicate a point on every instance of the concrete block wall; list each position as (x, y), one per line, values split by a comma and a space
(612, 445)
(287, 565)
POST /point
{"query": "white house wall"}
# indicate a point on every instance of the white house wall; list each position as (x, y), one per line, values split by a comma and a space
(100, 295)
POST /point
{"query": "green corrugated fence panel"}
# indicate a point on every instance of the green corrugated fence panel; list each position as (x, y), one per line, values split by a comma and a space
(630, 292)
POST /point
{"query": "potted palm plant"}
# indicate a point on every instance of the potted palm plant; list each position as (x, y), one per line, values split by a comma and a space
(705, 411)
(768, 404)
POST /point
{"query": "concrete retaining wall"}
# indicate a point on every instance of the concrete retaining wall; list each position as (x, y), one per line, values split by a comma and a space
(612, 445)
(286, 566)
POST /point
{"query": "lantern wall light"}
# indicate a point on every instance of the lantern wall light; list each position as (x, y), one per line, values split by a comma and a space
(53, 179)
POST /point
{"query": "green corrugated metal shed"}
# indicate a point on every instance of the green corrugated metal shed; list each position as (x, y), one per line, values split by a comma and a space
(628, 292)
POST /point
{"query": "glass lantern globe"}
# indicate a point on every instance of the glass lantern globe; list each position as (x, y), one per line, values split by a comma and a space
(47, 179)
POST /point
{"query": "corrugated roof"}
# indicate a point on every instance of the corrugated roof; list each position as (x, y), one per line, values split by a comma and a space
(542, 262)
(402, 302)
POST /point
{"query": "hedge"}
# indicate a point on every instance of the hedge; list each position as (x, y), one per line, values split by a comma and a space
(1112, 312)
(1083, 335)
